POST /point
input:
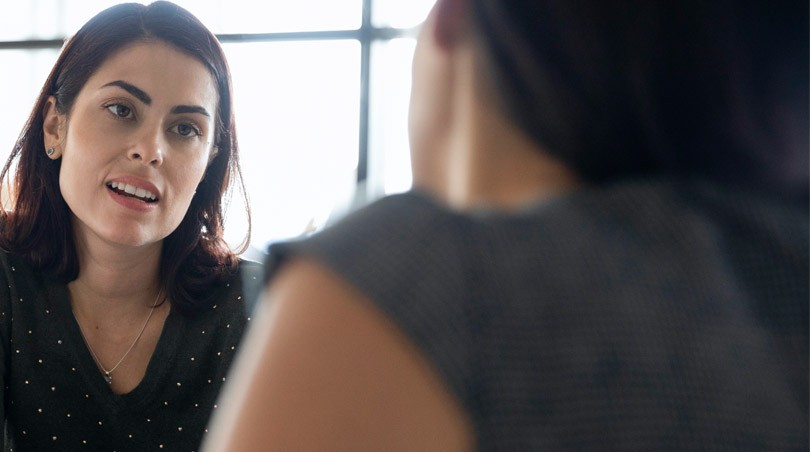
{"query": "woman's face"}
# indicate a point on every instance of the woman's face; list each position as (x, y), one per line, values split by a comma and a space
(136, 144)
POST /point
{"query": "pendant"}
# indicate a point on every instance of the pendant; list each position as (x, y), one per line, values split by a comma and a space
(107, 378)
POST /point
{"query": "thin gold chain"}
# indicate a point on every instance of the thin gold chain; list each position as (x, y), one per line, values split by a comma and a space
(107, 373)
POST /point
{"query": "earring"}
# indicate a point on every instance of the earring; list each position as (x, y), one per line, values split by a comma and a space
(49, 151)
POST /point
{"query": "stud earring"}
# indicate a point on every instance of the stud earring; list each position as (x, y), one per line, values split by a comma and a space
(50, 152)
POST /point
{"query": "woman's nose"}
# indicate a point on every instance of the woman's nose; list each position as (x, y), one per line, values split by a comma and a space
(148, 150)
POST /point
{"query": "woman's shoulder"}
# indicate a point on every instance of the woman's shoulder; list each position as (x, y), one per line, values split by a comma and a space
(383, 236)
(668, 205)
(403, 218)
(19, 279)
(251, 278)
(249, 265)
(409, 208)
(14, 266)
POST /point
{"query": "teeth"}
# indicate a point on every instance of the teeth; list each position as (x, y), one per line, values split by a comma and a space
(132, 190)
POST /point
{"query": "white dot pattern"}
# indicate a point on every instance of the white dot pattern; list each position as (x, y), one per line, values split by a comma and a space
(57, 400)
(620, 308)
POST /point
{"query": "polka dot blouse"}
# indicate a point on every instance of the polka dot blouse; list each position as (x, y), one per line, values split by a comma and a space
(55, 398)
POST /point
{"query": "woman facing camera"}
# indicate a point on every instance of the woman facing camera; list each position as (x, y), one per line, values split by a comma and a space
(121, 302)
(605, 248)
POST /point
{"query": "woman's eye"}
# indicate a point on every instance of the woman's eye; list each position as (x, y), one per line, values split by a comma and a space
(186, 130)
(120, 111)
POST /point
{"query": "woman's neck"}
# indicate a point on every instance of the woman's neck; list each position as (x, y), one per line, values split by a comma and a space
(493, 163)
(112, 275)
(483, 158)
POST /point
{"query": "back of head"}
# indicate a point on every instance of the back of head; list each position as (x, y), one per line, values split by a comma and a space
(617, 89)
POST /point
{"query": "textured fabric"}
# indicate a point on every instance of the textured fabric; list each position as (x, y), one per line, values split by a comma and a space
(650, 315)
(55, 398)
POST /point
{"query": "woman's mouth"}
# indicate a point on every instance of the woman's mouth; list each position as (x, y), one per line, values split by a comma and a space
(132, 191)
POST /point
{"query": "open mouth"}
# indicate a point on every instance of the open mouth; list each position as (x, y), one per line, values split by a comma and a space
(132, 192)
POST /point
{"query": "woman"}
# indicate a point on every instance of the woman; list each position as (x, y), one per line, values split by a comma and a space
(606, 247)
(122, 303)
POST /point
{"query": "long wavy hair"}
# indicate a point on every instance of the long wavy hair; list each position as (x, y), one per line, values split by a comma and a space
(195, 257)
(629, 88)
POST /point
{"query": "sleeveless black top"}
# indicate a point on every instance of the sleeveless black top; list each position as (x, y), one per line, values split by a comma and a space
(649, 315)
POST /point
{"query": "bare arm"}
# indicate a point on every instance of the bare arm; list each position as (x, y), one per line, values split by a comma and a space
(322, 369)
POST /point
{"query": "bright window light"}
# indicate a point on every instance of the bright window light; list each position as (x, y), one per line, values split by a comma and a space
(20, 88)
(297, 103)
(399, 13)
(297, 114)
(390, 165)
(251, 16)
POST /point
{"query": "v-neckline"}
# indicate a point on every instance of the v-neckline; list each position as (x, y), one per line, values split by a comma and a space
(159, 363)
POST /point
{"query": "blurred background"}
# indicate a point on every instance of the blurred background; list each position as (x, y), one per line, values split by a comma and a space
(321, 93)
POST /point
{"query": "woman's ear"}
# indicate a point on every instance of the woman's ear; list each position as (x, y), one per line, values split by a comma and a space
(53, 128)
(448, 21)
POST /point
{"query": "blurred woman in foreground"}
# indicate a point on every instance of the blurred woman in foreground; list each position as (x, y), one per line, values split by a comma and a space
(606, 247)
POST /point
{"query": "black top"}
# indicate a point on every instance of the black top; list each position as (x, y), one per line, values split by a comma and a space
(649, 315)
(56, 399)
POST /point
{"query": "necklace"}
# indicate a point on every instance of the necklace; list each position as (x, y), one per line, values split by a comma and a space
(107, 373)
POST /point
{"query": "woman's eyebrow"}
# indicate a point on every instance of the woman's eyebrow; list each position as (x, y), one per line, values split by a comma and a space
(132, 89)
(190, 109)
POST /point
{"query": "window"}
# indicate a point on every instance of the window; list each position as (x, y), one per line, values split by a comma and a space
(321, 90)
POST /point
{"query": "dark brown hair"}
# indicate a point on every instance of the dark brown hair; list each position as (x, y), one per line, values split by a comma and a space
(195, 256)
(627, 88)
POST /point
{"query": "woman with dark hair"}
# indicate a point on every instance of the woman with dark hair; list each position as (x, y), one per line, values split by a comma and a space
(606, 247)
(122, 303)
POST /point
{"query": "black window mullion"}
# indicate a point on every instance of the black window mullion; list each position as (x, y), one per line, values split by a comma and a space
(365, 77)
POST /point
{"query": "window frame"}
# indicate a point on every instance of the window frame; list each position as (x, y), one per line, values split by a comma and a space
(367, 35)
